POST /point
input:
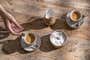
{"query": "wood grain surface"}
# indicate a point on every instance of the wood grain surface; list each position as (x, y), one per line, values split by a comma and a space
(30, 13)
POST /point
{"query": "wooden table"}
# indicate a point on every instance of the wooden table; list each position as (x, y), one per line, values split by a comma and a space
(29, 13)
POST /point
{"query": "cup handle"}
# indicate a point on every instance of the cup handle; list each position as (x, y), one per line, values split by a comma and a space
(83, 16)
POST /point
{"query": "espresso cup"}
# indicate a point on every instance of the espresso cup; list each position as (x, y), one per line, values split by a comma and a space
(74, 19)
(30, 41)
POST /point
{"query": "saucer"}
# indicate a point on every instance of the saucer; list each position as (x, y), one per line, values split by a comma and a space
(30, 47)
(71, 23)
(57, 38)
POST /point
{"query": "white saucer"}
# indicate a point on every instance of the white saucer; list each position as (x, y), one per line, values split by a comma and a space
(74, 24)
(33, 46)
(57, 38)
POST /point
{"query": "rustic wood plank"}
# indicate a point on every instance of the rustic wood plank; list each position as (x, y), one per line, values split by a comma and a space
(78, 44)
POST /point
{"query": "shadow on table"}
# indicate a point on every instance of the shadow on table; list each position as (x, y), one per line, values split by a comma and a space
(3, 33)
(12, 46)
(46, 46)
(61, 24)
(35, 23)
(87, 56)
(38, 23)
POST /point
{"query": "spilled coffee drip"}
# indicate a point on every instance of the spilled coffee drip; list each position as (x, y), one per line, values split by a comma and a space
(29, 38)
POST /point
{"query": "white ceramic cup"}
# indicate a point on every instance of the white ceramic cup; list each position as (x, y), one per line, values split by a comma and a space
(71, 22)
(32, 46)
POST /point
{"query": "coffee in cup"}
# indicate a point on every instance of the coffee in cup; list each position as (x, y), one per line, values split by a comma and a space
(29, 38)
(75, 16)
(30, 41)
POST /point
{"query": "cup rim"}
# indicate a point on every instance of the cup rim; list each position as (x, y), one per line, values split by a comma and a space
(64, 35)
(29, 47)
(73, 24)
(78, 13)
(24, 37)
